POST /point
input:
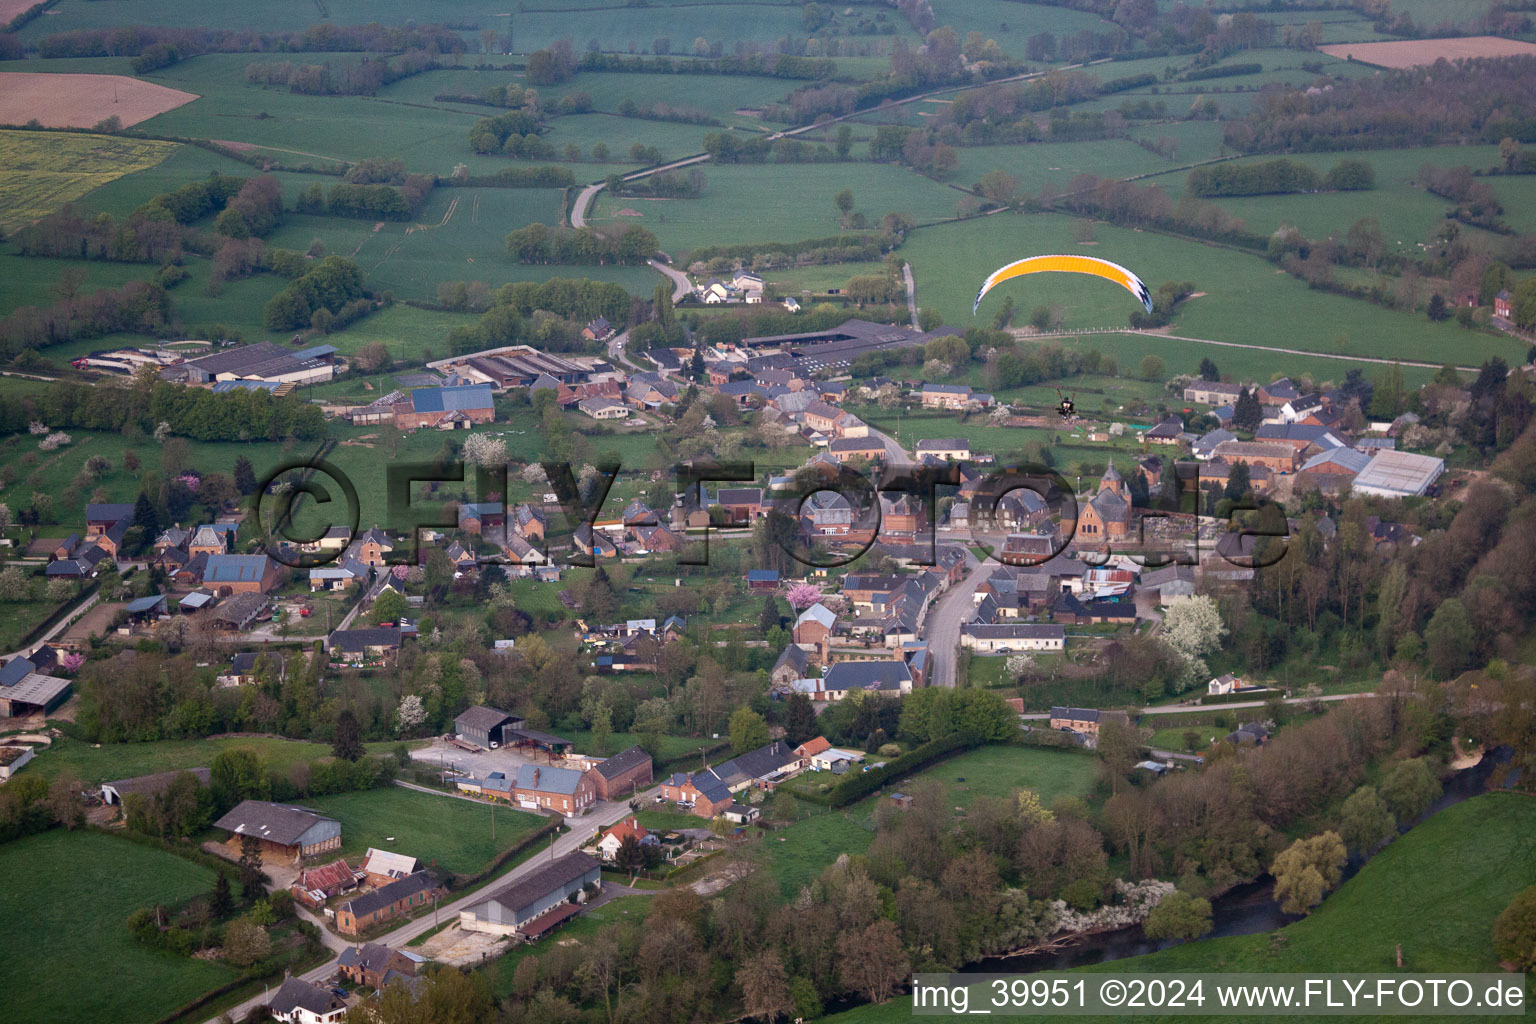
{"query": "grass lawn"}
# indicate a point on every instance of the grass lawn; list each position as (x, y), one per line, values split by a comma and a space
(110, 761)
(669, 821)
(999, 770)
(58, 973)
(1247, 300)
(34, 281)
(583, 926)
(20, 618)
(55, 472)
(444, 831)
(1436, 890)
(794, 856)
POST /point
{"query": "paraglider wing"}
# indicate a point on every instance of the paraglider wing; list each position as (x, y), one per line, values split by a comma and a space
(1067, 264)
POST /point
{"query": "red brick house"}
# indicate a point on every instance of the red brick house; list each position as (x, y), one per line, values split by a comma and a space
(548, 788)
(702, 792)
(372, 963)
(815, 625)
(316, 885)
(741, 504)
(622, 774)
(393, 900)
(1504, 305)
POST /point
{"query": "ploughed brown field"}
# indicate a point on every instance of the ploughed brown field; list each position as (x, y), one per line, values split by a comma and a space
(10, 8)
(83, 101)
(1409, 53)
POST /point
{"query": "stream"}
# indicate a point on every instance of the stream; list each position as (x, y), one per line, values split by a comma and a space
(1242, 910)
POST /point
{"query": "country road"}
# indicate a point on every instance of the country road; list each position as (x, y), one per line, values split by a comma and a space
(906, 277)
(616, 354)
(1187, 709)
(1036, 336)
(954, 608)
(603, 815)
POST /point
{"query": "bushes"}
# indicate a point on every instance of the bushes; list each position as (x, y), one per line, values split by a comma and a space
(490, 134)
(379, 202)
(1225, 71)
(1277, 176)
(330, 284)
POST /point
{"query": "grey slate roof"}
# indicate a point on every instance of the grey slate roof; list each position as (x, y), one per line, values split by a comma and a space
(561, 871)
(277, 823)
(296, 994)
(622, 762)
(410, 885)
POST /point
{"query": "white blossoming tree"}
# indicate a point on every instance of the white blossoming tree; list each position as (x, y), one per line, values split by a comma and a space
(411, 713)
(1192, 628)
(484, 450)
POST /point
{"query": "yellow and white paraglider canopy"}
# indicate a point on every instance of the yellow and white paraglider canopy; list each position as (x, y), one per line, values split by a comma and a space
(1067, 264)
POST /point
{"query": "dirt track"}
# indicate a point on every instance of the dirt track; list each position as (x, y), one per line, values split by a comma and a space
(83, 101)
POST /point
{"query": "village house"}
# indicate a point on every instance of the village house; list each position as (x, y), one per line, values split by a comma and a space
(866, 448)
(1503, 304)
(372, 643)
(888, 678)
(741, 504)
(286, 834)
(955, 449)
(376, 965)
(303, 1002)
(385, 904)
(622, 774)
(371, 547)
(945, 396)
(1212, 392)
(1278, 458)
(1084, 720)
(815, 626)
(547, 788)
(537, 902)
(613, 838)
(1167, 431)
(703, 793)
(1021, 636)
(604, 408)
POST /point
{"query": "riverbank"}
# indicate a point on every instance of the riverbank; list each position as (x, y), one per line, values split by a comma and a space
(1406, 895)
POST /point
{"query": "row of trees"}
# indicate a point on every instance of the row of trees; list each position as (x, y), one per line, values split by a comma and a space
(540, 243)
(329, 284)
(1276, 176)
(354, 78)
(369, 201)
(133, 40)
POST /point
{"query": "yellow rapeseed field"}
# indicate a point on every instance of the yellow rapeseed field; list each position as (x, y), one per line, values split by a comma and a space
(41, 171)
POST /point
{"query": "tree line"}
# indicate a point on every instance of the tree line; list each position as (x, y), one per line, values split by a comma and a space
(1277, 176)
(188, 412)
(540, 243)
(133, 40)
(363, 77)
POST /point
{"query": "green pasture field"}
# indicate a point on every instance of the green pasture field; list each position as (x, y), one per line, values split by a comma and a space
(1406, 212)
(619, 134)
(54, 472)
(57, 974)
(794, 280)
(717, 95)
(34, 281)
(185, 164)
(624, 909)
(445, 831)
(1196, 141)
(1517, 193)
(408, 333)
(1403, 895)
(1057, 163)
(619, 27)
(97, 764)
(1011, 24)
(1247, 300)
(778, 202)
(1000, 770)
(299, 129)
(459, 235)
